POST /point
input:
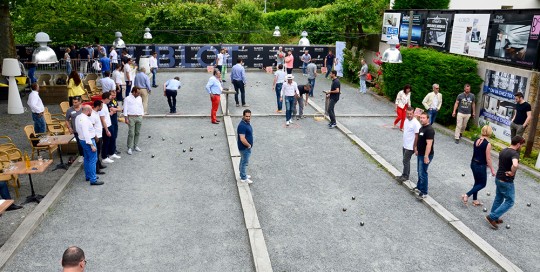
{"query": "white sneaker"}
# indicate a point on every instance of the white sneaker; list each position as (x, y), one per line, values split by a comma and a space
(130, 151)
(81, 159)
(137, 149)
(248, 176)
(290, 121)
(287, 123)
(249, 181)
(107, 160)
(114, 156)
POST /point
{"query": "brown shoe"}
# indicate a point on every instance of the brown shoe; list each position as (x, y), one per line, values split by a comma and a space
(500, 221)
(493, 224)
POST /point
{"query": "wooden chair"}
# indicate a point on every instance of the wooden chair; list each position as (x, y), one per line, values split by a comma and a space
(93, 88)
(64, 106)
(6, 142)
(33, 139)
(11, 154)
(54, 125)
(12, 180)
(44, 79)
(62, 76)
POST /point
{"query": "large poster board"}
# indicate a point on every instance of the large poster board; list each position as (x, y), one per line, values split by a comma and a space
(436, 30)
(416, 34)
(514, 38)
(469, 34)
(498, 101)
(390, 26)
(340, 46)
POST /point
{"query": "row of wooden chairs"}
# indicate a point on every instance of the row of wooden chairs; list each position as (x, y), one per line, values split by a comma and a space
(9, 153)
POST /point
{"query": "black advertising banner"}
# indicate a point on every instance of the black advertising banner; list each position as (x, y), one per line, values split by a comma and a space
(200, 56)
(416, 35)
(514, 38)
(437, 26)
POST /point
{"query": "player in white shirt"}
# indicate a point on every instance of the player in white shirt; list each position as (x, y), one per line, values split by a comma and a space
(411, 127)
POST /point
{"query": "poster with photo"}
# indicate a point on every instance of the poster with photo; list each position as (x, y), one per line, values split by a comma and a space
(514, 38)
(390, 26)
(469, 34)
(416, 34)
(436, 30)
(498, 101)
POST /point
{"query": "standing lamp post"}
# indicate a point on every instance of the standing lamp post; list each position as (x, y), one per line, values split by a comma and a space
(11, 69)
(304, 40)
(277, 33)
(392, 54)
(118, 42)
(147, 35)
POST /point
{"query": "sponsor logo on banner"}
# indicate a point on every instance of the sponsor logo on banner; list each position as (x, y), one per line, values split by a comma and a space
(258, 57)
(258, 48)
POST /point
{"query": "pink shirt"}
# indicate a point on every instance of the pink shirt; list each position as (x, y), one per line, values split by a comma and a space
(289, 62)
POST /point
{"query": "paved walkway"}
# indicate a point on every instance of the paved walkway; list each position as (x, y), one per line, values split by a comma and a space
(170, 213)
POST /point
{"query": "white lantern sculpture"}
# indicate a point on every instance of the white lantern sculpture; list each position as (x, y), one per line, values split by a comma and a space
(11, 69)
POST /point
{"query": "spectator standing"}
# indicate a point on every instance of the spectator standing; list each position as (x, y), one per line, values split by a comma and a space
(84, 56)
(98, 128)
(170, 90)
(333, 96)
(289, 62)
(153, 68)
(432, 103)
(245, 144)
(219, 60)
(288, 93)
(67, 59)
(214, 88)
(424, 150)
(224, 68)
(522, 116)
(305, 59)
(329, 62)
(105, 117)
(119, 79)
(403, 101)
(113, 109)
(133, 113)
(71, 115)
(280, 58)
(107, 83)
(238, 79)
(504, 180)
(32, 66)
(142, 82)
(481, 158)
(105, 65)
(279, 79)
(364, 70)
(87, 135)
(465, 107)
(128, 75)
(113, 55)
(312, 75)
(36, 106)
(411, 128)
(75, 86)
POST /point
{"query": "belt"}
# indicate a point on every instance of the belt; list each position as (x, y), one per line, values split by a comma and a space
(216, 94)
(170, 90)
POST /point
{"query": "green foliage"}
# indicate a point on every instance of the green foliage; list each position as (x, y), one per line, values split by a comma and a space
(318, 28)
(246, 18)
(351, 63)
(421, 4)
(286, 18)
(421, 68)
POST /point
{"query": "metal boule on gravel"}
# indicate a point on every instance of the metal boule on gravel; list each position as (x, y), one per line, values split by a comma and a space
(211, 149)
(507, 226)
(362, 224)
(488, 193)
(190, 159)
(202, 137)
(462, 175)
(149, 136)
(485, 209)
(344, 209)
(163, 139)
(183, 150)
(528, 204)
(354, 198)
(215, 134)
(181, 142)
(153, 156)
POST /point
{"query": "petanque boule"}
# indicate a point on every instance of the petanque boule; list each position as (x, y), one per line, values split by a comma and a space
(211, 149)
(191, 158)
(485, 209)
(354, 198)
(163, 139)
(507, 226)
(488, 193)
(215, 134)
(344, 209)
(153, 156)
(202, 137)
(181, 142)
(462, 175)
(149, 136)
(528, 204)
(183, 150)
(362, 224)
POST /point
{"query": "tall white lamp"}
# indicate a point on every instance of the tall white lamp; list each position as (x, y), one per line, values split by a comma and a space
(10, 69)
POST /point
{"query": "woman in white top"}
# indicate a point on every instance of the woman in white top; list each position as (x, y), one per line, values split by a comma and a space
(403, 100)
(114, 58)
(119, 79)
(67, 58)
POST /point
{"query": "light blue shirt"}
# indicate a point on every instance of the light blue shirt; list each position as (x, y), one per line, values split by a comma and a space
(238, 73)
(173, 85)
(142, 81)
(213, 86)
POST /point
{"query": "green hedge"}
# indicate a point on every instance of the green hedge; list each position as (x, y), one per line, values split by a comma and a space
(286, 18)
(421, 68)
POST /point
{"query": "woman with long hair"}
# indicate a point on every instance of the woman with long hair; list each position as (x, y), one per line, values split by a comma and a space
(67, 58)
(403, 100)
(75, 86)
(480, 160)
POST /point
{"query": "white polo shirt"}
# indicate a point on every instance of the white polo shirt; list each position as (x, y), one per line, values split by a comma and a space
(410, 128)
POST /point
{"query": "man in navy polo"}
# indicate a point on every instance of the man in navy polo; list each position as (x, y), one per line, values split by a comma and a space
(245, 143)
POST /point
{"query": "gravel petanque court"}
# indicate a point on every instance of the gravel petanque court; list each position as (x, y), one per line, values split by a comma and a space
(166, 213)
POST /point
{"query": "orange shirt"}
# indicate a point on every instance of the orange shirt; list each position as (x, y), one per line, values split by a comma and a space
(289, 61)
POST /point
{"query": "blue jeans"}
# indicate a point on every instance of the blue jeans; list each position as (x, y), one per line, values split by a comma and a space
(31, 74)
(39, 123)
(244, 161)
(363, 88)
(423, 174)
(329, 67)
(4, 191)
(114, 134)
(154, 72)
(312, 83)
(68, 67)
(90, 160)
(289, 104)
(432, 115)
(278, 95)
(504, 199)
(480, 179)
(304, 65)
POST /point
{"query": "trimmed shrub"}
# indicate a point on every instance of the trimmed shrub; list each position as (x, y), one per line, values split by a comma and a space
(421, 68)
(318, 27)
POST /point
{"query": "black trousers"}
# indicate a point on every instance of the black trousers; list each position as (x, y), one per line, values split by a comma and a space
(331, 113)
(171, 99)
(99, 146)
(239, 86)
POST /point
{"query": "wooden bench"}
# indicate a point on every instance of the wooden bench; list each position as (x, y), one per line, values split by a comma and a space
(4, 204)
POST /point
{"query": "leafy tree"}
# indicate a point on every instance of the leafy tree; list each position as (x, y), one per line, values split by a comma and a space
(7, 46)
(317, 27)
(246, 18)
(421, 4)
(355, 16)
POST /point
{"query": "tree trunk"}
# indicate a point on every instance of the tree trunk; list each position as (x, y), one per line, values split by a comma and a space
(7, 46)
